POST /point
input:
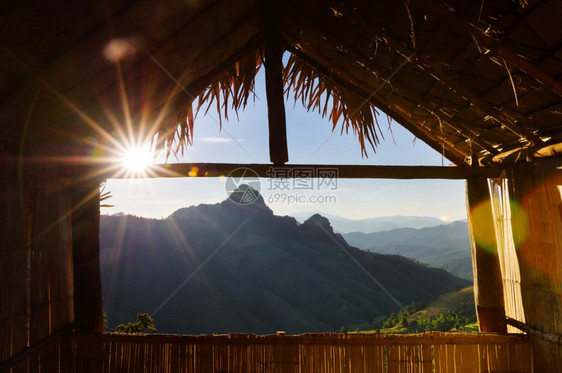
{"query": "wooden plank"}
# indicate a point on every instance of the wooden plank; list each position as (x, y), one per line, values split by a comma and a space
(64, 207)
(340, 171)
(488, 285)
(273, 51)
(42, 245)
(426, 359)
(85, 245)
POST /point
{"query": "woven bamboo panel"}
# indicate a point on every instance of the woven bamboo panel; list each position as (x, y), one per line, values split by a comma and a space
(35, 270)
(509, 263)
(429, 352)
(51, 357)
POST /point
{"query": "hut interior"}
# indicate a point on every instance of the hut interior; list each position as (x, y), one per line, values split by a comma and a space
(480, 81)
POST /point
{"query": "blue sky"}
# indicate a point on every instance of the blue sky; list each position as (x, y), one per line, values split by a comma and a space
(310, 140)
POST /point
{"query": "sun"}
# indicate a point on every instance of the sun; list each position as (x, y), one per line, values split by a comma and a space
(136, 159)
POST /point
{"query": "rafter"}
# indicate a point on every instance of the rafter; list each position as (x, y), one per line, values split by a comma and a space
(495, 47)
(435, 69)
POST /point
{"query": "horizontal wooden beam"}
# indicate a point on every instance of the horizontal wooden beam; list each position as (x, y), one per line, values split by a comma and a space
(308, 170)
(330, 339)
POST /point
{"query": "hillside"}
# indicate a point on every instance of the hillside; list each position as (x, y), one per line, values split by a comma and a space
(458, 301)
(445, 246)
(454, 311)
(243, 269)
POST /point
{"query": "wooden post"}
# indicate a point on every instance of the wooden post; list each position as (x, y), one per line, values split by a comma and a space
(273, 51)
(88, 308)
(536, 219)
(488, 288)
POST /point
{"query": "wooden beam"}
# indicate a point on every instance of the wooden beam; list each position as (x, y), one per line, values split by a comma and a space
(88, 308)
(273, 51)
(340, 171)
(488, 284)
(323, 339)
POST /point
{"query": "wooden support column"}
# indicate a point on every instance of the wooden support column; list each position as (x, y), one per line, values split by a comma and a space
(488, 287)
(273, 51)
(536, 219)
(88, 308)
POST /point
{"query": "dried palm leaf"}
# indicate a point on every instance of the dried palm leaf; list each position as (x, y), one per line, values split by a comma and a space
(319, 93)
(231, 89)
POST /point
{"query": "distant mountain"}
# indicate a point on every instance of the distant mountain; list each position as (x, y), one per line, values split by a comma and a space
(446, 246)
(369, 225)
(239, 268)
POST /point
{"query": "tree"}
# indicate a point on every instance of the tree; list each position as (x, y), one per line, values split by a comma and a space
(144, 324)
(105, 321)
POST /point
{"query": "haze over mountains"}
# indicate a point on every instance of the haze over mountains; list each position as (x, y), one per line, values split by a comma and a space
(369, 225)
(444, 246)
(428, 240)
(239, 268)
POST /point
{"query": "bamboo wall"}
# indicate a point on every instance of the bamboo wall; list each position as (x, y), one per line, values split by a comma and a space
(511, 275)
(536, 219)
(36, 294)
(430, 352)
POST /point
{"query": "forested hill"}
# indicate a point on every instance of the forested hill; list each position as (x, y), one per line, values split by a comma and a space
(246, 270)
(445, 246)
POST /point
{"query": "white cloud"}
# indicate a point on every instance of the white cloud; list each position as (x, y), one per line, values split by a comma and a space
(218, 140)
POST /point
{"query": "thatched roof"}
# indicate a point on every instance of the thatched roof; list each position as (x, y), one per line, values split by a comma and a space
(470, 78)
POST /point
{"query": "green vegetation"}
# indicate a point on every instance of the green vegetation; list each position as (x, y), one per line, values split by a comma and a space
(444, 322)
(144, 324)
(451, 312)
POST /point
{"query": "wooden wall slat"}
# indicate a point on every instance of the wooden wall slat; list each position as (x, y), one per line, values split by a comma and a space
(13, 249)
(41, 262)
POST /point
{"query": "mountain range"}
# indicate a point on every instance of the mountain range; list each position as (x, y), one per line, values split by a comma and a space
(369, 225)
(446, 246)
(228, 267)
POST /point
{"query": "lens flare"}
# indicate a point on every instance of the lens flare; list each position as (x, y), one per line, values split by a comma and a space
(136, 159)
(485, 233)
